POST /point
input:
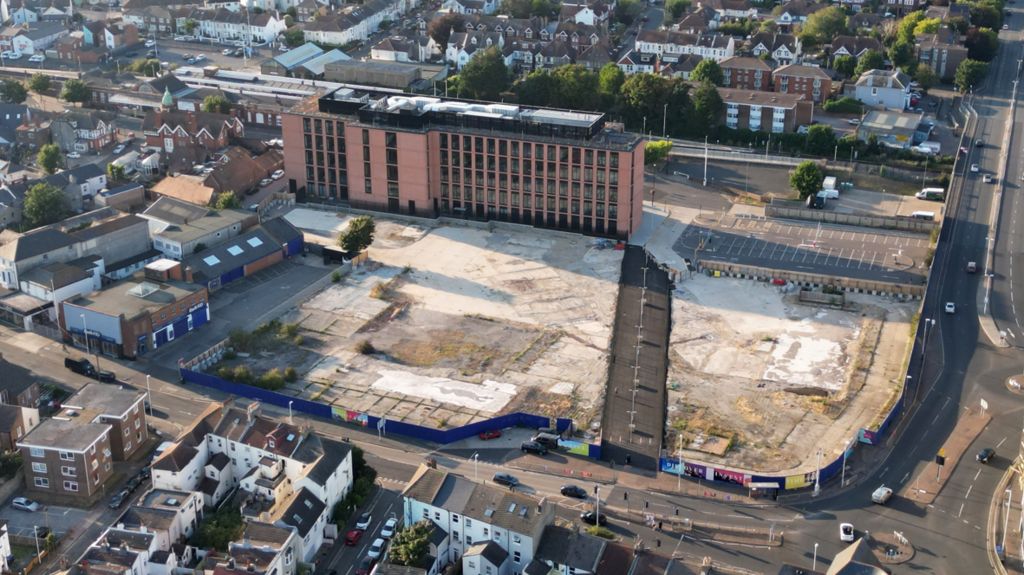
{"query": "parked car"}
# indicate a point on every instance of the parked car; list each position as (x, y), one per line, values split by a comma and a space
(592, 518)
(975, 168)
(200, 57)
(979, 144)
(365, 566)
(277, 175)
(376, 548)
(37, 58)
(846, 532)
(853, 121)
(118, 148)
(150, 43)
(985, 455)
(266, 182)
(574, 491)
(388, 530)
(227, 51)
(881, 495)
(987, 179)
(84, 367)
(74, 155)
(492, 434)
(507, 479)
(533, 447)
(10, 55)
(950, 307)
(364, 521)
(353, 536)
(25, 504)
(118, 500)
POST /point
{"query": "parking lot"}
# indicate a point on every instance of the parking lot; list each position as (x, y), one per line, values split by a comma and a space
(803, 246)
(59, 519)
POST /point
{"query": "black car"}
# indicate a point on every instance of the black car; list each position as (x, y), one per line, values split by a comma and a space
(85, 367)
(574, 491)
(985, 455)
(979, 144)
(119, 499)
(533, 447)
(505, 479)
(593, 519)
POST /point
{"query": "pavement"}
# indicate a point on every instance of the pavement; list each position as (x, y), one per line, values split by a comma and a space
(932, 478)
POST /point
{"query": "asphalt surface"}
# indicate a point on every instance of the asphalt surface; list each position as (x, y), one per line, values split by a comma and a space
(798, 246)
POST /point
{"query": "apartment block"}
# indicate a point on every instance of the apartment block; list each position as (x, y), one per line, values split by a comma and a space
(765, 111)
(811, 82)
(746, 73)
(122, 409)
(389, 151)
(67, 459)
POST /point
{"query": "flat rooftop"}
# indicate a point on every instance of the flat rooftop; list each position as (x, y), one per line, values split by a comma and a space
(71, 434)
(97, 399)
(134, 296)
(215, 221)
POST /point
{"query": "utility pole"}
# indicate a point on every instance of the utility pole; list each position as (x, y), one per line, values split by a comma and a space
(705, 161)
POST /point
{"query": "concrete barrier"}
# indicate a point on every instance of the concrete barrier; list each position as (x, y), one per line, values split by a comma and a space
(832, 299)
(811, 280)
(775, 210)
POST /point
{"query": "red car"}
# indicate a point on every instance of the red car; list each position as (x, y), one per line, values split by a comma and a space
(493, 434)
(352, 537)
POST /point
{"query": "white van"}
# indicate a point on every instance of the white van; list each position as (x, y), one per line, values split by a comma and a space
(930, 216)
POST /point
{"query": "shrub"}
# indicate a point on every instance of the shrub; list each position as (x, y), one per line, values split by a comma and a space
(290, 375)
(289, 330)
(272, 380)
(365, 347)
(844, 105)
(602, 532)
(297, 340)
(336, 277)
(242, 375)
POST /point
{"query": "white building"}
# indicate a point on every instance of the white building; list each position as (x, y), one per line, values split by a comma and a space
(889, 89)
(226, 25)
(355, 23)
(674, 44)
(35, 38)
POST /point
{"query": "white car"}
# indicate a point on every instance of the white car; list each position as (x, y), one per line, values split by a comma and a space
(200, 57)
(74, 155)
(376, 548)
(987, 179)
(975, 168)
(11, 55)
(37, 58)
(388, 530)
(118, 148)
(150, 43)
(846, 532)
(364, 521)
(853, 121)
(284, 48)
(180, 38)
(24, 504)
(277, 175)
(227, 51)
(266, 182)
(950, 307)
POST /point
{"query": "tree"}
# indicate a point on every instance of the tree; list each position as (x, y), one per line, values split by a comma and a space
(44, 204)
(958, 25)
(39, 83)
(485, 76)
(294, 37)
(986, 16)
(901, 53)
(190, 25)
(115, 172)
(845, 65)
(577, 88)
(824, 25)
(537, 89)
(806, 179)
(145, 66)
(707, 109)
(410, 545)
(981, 44)
(358, 236)
(871, 60)
(292, 11)
(441, 28)
(925, 76)
(216, 103)
(905, 30)
(969, 74)
(50, 158)
(75, 91)
(12, 92)
(927, 26)
(821, 140)
(218, 529)
(644, 96)
(225, 201)
(609, 83)
(656, 151)
(707, 71)
(627, 11)
(677, 7)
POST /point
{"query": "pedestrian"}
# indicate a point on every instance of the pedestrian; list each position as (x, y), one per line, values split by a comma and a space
(659, 525)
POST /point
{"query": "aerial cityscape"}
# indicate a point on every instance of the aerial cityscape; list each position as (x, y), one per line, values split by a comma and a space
(511, 287)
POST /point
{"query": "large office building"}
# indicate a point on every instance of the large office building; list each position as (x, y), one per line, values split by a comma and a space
(390, 151)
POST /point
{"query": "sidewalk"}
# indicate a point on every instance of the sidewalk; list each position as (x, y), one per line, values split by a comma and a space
(924, 487)
(1007, 525)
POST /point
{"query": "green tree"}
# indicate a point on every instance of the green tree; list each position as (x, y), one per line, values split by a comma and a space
(609, 83)
(958, 25)
(75, 91)
(39, 83)
(927, 26)
(656, 151)
(577, 88)
(536, 89)
(294, 37)
(870, 60)
(441, 28)
(218, 529)
(145, 66)
(358, 236)
(410, 545)
(485, 77)
(707, 109)
(216, 103)
(969, 73)
(644, 96)
(905, 30)
(986, 15)
(707, 71)
(225, 201)
(676, 8)
(925, 76)
(50, 158)
(821, 140)
(981, 44)
(823, 25)
(806, 179)
(44, 204)
(190, 25)
(901, 53)
(12, 92)
(845, 65)
(627, 11)
(115, 172)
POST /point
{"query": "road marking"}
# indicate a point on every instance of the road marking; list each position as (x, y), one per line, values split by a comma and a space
(958, 513)
(884, 470)
(905, 476)
(968, 494)
(976, 475)
(1000, 442)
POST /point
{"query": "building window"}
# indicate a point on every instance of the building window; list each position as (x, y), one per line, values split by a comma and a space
(69, 471)
(39, 467)
(70, 486)
(41, 482)
(36, 452)
(67, 456)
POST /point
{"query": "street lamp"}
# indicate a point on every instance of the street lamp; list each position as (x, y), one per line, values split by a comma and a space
(149, 396)
(290, 420)
(35, 534)
(476, 462)
(597, 505)
(85, 328)
(817, 473)
(814, 564)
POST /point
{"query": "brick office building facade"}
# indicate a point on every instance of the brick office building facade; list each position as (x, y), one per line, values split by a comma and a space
(394, 152)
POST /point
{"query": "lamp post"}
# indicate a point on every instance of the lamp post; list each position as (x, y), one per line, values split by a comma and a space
(814, 563)
(85, 328)
(35, 535)
(817, 473)
(597, 505)
(664, 121)
(476, 462)
(705, 161)
(149, 396)
(290, 420)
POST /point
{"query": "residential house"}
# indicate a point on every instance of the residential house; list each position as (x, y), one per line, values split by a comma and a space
(730, 9)
(782, 48)
(83, 130)
(888, 89)
(118, 36)
(354, 23)
(281, 545)
(172, 131)
(236, 172)
(901, 6)
(401, 49)
(893, 129)
(553, 54)
(669, 43)
(171, 515)
(57, 281)
(122, 409)
(225, 25)
(32, 38)
(309, 10)
(178, 227)
(594, 57)
(67, 459)
(863, 22)
(765, 111)
(636, 62)
(18, 15)
(796, 12)
(855, 46)
(746, 73)
(942, 52)
(15, 422)
(19, 387)
(700, 21)
(566, 551)
(469, 6)
(150, 19)
(72, 48)
(135, 316)
(588, 14)
(507, 525)
(12, 116)
(811, 82)
(79, 185)
(462, 46)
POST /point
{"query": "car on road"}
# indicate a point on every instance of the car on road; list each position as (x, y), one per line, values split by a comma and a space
(25, 504)
(277, 175)
(118, 148)
(190, 60)
(74, 155)
(846, 532)
(376, 548)
(388, 530)
(881, 495)
(365, 566)
(10, 55)
(200, 57)
(963, 149)
(591, 518)
(533, 447)
(266, 182)
(151, 54)
(853, 121)
(506, 479)
(181, 39)
(364, 521)
(985, 455)
(85, 367)
(227, 51)
(979, 144)
(986, 179)
(353, 536)
(119, 499)
(972, 267)
(1006, 26)
(574, 491)
(150, 43)
(492, 434)
(975, 168)
(950, 307)
(37, 58)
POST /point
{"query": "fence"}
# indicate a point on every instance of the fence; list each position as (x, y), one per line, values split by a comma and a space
(805, 279)
(775, 210)
(736, 156)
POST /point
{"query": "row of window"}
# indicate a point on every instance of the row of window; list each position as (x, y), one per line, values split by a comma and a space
(528, 202)
(538, 185)
(64, 469)
(528, 150)
(504, 166)
(44, 483)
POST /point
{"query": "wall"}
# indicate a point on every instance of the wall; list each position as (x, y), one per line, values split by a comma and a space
(814, 280)
(776, 210)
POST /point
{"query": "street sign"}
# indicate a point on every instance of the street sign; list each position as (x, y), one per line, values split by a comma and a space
(940, 460)
(984, 405)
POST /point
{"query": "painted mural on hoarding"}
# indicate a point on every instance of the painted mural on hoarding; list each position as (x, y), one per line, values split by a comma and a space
(573, 446)
(350, 416)
(800, 481)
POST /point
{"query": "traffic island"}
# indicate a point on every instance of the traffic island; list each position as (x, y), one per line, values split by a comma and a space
(931, 478)
(891, 548)
(1015, 383)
